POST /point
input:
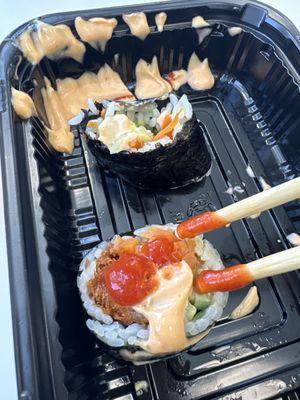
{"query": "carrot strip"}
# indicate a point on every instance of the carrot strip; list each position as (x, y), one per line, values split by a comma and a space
(202, 223)
(167, 121)
(228, 279)
(135, 143)
(168, 129)
(92, 124)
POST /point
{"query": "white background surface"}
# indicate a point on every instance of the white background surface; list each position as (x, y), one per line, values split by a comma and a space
(16, 12)
(13, 14)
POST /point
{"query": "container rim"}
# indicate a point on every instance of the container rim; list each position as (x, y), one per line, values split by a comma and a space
(11, 186)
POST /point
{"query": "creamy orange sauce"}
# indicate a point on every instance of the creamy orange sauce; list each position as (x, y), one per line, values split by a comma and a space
(178, 78)
(138, 24)
(111, 85)
(234, 30)
(96, 31)
(106, 84)
(141, 357)
(200, 76)
(149, 82)
(62, 140)
(165, 309)
(199, 22)
(203, 33)
(59, 134)
(51, 41)
(72, 96)
(22, 104)
(294, 239)
(160, 20)
(247, 305)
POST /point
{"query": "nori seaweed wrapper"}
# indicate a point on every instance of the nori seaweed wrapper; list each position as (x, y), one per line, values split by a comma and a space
(186, 160)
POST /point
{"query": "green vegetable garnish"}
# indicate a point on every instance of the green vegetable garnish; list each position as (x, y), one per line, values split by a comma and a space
(190, 311)
(202, 301)
(199, 314)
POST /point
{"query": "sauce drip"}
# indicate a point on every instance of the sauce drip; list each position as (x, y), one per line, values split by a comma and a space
(200, 76)
(149, 82)
(59, 134)
(72, 96)
(177, 78)
(52, 41)
(203, 33)
(247, 305)
(234, 30)
(139, 357)
(130, 279)
(199, 22)
(62, 140)
(160, 20)
(106, 84)
(294, 239)
(96, 31)
(138, 24)
(165, 309)
(22, 104)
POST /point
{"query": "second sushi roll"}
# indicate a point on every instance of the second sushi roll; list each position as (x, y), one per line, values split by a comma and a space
(152, 144)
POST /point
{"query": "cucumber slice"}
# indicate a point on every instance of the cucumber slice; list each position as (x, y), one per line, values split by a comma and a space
(199, 314)
(202, 301)
(190, 311)
(192, 297)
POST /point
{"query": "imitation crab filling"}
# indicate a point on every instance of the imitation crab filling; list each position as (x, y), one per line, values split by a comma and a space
(147, 281)
(139, 127)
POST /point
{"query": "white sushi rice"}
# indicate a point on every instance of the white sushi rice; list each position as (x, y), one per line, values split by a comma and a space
(116, 334)
(77, 119)
(92, 107)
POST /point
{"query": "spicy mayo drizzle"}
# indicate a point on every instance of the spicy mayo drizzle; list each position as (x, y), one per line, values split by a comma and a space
(22, 104)
(51, 41)
(160, 20)
(165, 308)
(149, 82)
(72, 96)
(95, 31)
(200, 76)
(138, 24)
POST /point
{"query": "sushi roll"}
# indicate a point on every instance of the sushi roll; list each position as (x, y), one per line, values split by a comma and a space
(152, 144)
(139, 296)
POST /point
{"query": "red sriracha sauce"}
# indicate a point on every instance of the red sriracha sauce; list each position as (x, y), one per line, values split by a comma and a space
(130, 279)
(205, 222)
(228, 279)
(161, 251)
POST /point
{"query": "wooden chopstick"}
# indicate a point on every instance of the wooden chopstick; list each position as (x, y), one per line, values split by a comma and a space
(256, 204)
(240, 275)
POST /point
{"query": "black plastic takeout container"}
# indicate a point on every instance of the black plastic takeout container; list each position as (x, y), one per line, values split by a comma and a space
(58, 206)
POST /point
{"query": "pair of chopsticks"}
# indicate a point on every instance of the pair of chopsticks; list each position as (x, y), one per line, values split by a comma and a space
(240, 275)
